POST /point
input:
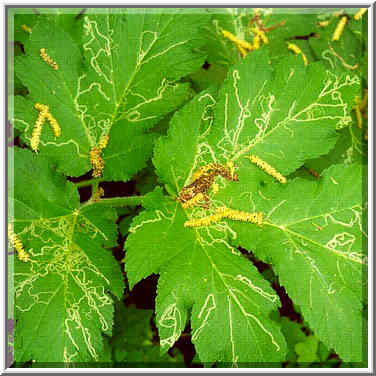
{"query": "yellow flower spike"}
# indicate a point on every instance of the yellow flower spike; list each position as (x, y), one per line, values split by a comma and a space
(242, 50)
(47, 59)
(323, 23)
(203, 180)
(339, 29)
(202, 170)
(358, 115)
(260, 36)
(294, 48)
(256, 42)
(54, 124)
(37, 130)
(205, 221)
(267, 168)
(230, 165)
(103, 141)
(359, 15)
(215, 188)
(237, 215)
(17, 244)
(41, 107)
(242, 45)
(26, 28)
(263, 37)
(193, 201)
(304, 59)
(224, 212)
(96, 162)
(98, 194)
(364, 103)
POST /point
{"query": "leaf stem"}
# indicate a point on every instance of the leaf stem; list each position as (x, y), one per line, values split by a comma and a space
(117, 202)
(86, 183)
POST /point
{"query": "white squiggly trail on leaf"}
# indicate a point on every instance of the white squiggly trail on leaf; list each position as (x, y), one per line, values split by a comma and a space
(321, 108)
(254, 318)
(171, 319)
(134, 115)
(56, 253)
(159, 216)
(91, 29)
(206, 308)
(234, 356)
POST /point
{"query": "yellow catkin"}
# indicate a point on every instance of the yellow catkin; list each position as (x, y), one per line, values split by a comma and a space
(264, 38)
(54, 124)
(47, 59)
(37, 130)
(26, 28)
(256, 42)
(237, 215)
(215, 188)
(294, 48)
(358, 115)
(96, 162)
(359, 15)
(193, 202)
(98, 194)
(205, 221)
(103, 141)
(41, 107)
(304, 59)
(339, 29)
(224, 212)
(242, 45)
(364, 103)
(242, 50)
(267, 168)
(18, 246)
(323, 23)
(259, 37)
(202, 170)
(230, 165)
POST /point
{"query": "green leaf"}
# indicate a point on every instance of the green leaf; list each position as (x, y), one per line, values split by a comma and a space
(62, 299)
(18, 19)
(342, 55)
(220, 50)
(124, 81)
(350, 148)
(315, 237)
(229, 300)
(132, 340)
(281, 25)
(171, 166)
(293, 334)
(307, 350)
(259, 118)
(284, 117)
